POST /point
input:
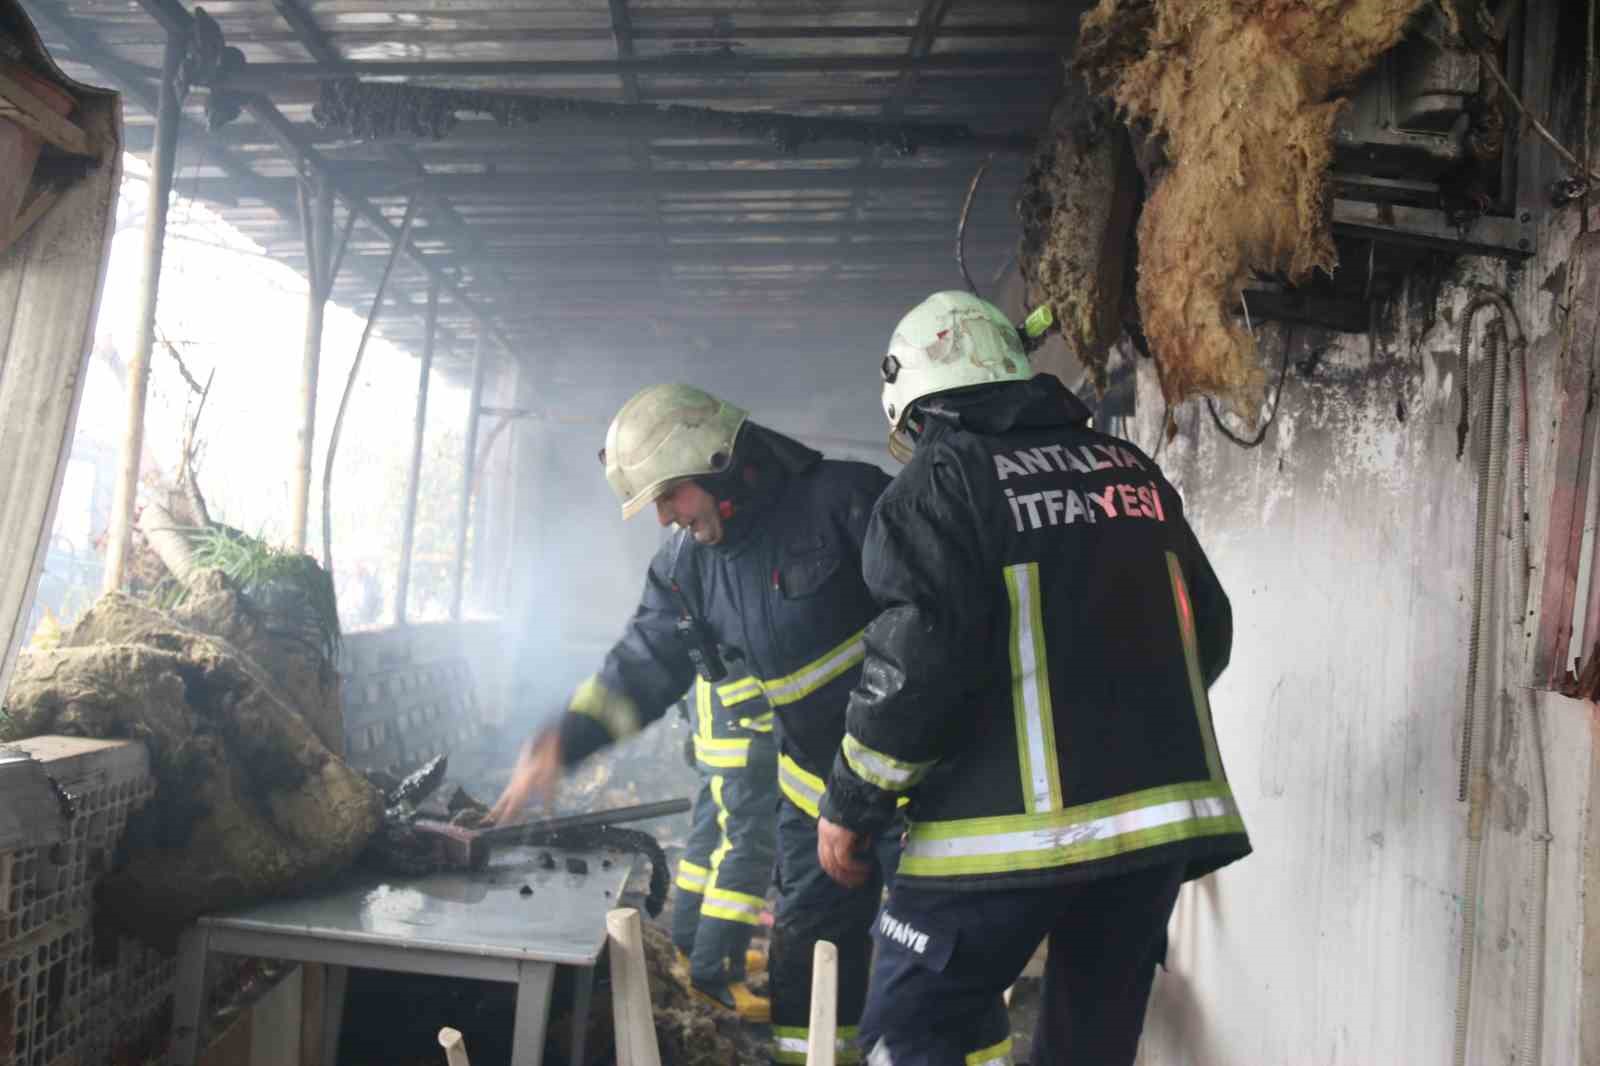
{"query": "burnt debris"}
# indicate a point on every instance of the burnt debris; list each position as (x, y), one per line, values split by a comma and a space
(378, 111)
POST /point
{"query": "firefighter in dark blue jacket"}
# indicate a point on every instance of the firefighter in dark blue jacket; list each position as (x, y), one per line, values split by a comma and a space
(764, 579)
(1037, 684)
(726, 866)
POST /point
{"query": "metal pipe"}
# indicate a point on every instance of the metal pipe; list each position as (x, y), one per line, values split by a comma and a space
(419, 430)
(1474, 758)
(401, 239)
(162, 157)
(468, 473)
(1530, 1028)
(317, 225)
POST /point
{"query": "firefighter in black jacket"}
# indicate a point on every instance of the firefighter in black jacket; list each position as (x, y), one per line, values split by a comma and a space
(1037, 683)
(765, 574)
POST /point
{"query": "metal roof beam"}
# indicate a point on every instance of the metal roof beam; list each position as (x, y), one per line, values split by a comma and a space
(262, 77)
(718, 190)
(172, 16)
(316, 41)
(638, 152)
(360, 36)
(131, 80)
(687, 183)
(929, 19)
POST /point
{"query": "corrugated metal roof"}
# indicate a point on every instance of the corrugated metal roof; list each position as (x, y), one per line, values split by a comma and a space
(606, 228)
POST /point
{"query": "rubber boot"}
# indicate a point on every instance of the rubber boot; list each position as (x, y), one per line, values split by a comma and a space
(717, 994)
(751, 1007)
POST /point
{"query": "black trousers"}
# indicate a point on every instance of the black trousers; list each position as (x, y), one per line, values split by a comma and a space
(813, 907)
(945, 959)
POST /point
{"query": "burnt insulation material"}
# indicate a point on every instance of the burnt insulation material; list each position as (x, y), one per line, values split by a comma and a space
(249, 803)
(375, 110)
(1076, 208)
(1246, 94)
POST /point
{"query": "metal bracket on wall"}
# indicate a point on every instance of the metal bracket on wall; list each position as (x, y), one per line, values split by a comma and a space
(1408, 119)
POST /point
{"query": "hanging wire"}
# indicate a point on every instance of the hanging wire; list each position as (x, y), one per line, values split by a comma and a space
(961, 226)
(1277, 392)
(1163, 432)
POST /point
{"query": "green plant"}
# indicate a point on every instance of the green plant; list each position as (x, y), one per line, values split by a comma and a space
(289, 586)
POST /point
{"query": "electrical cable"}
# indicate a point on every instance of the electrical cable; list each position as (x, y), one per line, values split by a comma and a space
(1277, 398)
(1277, 393)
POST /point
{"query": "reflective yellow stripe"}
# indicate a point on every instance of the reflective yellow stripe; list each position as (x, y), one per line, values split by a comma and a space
(724, 762)
(1011, 843)
(614, 711)
(885, 771)
(736, 692)
(1191, 655)
(818, 672)
(998, 1055)
(722, 743)
(733, 906)
(722, 753)
(761, 723)
(1030, 693)
(724, 844)
(692, 878)
(803, 787)
(702, 710)
(790, 1041)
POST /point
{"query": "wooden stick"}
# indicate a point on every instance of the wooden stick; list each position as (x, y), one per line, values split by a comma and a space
(455, 1049)
(822, 1040)
(631, 1015)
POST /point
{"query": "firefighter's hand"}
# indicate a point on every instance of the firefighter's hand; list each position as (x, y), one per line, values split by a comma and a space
(535, 778)
(836, 850)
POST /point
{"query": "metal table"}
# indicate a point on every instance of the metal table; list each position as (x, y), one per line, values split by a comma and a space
(476, 924)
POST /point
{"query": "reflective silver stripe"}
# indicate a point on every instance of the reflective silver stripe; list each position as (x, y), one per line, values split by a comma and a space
(795, 1040)
(806, 680)
(1049, 838)
(737, 692)
(789, 1045)
(732, 906)
(1030, 681)
(1191, 654)
(882, 770)
(803, 789)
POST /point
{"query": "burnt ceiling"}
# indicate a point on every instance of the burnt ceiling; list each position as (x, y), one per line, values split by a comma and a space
(606, 222)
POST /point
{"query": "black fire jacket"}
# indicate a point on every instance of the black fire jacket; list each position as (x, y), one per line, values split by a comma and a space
(785, 598)
(1037, 679)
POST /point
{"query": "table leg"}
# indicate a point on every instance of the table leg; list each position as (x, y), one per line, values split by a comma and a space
(334, 980)
(534, 981)
(188, 996)
(582, 995)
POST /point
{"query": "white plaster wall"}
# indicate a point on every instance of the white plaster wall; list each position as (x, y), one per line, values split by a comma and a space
(1346, 544)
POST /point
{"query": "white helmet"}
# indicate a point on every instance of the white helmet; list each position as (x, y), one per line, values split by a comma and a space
(667, 433)
(951, 340)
